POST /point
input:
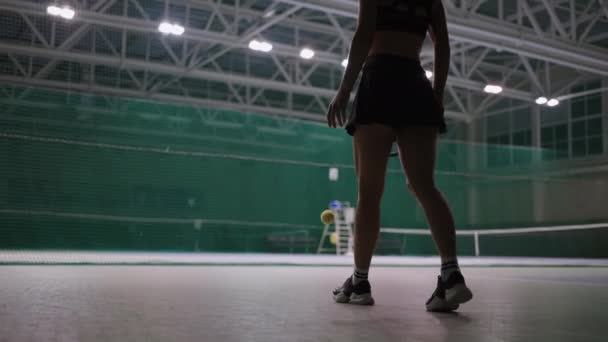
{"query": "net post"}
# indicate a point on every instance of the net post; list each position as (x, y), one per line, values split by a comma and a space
(476, 235)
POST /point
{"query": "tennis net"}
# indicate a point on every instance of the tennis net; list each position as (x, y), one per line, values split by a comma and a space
(584, 240)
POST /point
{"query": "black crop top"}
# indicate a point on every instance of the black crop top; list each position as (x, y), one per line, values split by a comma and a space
(404, 15)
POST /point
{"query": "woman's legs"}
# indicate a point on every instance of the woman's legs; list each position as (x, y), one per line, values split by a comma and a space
(417, 151)
(418, 148)
(372, 146)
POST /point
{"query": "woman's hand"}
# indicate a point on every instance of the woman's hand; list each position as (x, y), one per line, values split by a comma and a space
(359, 49)
(337, 109)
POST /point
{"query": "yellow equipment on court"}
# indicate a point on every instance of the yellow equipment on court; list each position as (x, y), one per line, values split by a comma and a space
(327, 216)
(333, 238)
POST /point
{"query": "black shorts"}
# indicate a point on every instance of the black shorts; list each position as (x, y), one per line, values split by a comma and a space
(395, 91)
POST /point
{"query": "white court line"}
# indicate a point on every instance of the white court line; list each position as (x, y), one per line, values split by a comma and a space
(94, 257)
(532, 280)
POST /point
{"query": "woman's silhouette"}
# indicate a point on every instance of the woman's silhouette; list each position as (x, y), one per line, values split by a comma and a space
(395, 101)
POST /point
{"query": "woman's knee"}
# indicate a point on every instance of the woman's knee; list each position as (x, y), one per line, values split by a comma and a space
(370, 193)
(423, 188)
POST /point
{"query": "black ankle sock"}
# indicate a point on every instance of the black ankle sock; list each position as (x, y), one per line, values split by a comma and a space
(358, 275)
(447, 268)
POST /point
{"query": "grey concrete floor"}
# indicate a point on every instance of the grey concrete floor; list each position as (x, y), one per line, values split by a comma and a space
(293, 303)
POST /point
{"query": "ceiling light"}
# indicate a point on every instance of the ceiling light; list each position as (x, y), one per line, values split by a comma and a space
(269, 13)
(260, 46)
(307, 53)
(492, 89)
(66, 12)
(168, 28)
(541, 100)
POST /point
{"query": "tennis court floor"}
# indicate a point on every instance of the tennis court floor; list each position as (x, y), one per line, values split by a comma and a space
(293, 303)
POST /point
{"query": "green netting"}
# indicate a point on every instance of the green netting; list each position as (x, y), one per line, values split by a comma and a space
(99, 173)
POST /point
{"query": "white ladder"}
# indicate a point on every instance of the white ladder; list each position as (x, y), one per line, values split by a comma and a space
(343, 227)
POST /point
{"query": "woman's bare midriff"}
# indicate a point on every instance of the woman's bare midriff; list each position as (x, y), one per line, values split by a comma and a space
(397, 43)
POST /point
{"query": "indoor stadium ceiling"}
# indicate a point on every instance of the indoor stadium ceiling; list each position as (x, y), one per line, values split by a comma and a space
(205, 56)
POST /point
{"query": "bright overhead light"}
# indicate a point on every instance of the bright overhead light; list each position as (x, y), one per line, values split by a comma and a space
(53, 10)
(307, 53)
(492, 89)
(541, 100)
(178, 30)
(260, 46)
(269, 13)
(165, 27)
(168, 28)
(553, 102)
(345, 62)
(66, 12)
(429, 74)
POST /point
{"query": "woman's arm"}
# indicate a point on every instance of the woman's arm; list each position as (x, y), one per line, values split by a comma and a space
(361, 43)
(439, 36)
